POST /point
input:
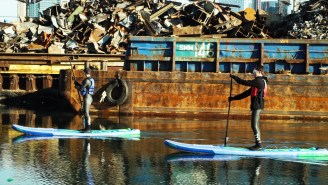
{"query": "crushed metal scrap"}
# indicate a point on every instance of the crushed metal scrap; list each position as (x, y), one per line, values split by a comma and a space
(99, 26)
(310, 22)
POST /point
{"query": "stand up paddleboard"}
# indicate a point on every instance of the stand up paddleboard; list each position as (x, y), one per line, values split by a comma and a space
(76, 133)
(265, 152)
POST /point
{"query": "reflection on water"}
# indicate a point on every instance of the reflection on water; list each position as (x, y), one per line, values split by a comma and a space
(30, 160)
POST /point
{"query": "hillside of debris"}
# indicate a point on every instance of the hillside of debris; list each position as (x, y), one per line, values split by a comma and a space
(310, 22)
(103, 27)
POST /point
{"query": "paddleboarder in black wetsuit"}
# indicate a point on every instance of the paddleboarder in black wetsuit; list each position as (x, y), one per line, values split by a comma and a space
(87, 89)
(257, 92)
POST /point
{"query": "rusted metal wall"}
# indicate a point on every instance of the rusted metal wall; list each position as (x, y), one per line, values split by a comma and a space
(205, 94)
(40, 63)
(36, 71)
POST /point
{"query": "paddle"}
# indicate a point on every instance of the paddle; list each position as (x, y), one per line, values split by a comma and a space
(78, 93)
(70, 61)
(226, 134)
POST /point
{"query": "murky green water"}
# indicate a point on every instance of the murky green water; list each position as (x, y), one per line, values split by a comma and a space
(146, 160)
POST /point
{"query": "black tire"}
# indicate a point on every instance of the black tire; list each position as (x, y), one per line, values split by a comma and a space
(117, 91)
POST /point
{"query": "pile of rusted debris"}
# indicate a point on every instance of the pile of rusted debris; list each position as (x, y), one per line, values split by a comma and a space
(100, 26)
(310, 22)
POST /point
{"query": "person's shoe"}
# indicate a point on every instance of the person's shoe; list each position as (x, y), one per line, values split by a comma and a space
(86, 130)
(257, 146)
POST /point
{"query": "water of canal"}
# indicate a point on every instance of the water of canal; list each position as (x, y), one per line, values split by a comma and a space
(146, 160)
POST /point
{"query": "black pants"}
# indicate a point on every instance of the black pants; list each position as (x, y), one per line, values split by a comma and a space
(86, 108)
(255, 124)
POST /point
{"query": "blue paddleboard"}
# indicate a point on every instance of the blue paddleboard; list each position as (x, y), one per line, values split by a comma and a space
(265, 152)
(76, 133)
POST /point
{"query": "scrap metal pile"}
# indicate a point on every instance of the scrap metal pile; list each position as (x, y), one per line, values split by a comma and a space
(102, 26)
(310, 22)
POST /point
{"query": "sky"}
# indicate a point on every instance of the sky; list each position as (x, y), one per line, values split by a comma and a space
(8, 10)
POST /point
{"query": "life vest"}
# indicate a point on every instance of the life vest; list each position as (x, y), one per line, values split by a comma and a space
(255, 90)
(91, 89)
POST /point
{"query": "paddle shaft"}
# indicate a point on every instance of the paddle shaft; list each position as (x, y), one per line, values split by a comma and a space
(73, 75)
(226, 133)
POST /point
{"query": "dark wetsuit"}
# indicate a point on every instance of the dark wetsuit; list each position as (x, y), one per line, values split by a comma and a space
(87, 89)
(257, 92)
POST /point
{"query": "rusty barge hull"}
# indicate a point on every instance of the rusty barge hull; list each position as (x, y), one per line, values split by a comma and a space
(190, 76)
(204, 95)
